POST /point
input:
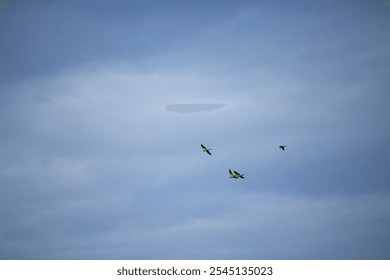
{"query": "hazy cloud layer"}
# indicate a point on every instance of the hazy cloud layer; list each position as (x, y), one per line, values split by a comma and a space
(193, 108)
(94, 164)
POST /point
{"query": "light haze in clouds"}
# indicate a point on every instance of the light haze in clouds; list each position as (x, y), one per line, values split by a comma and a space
(193, 108)
(95, 163)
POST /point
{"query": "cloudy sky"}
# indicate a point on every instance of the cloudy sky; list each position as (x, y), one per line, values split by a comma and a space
(98, 160)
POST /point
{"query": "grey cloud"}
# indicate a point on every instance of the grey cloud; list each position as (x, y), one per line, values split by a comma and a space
(3, 4)
(95, 165)
(193, 108)
(261, 226)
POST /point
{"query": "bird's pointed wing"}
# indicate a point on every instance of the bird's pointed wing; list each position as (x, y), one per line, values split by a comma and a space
(235, 172)
(230, 172)
(207, 151)
(203, 146)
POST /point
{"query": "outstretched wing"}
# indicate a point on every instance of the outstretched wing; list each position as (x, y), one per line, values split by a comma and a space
(203, 146)
(235, 172)
(232, 175)
(207, 151)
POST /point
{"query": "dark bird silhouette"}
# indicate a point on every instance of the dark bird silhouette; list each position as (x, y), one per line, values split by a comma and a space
(205, 149)
(232, 175)
(239, 175)
(282, 147)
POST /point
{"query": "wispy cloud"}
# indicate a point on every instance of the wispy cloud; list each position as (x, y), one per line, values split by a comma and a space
(193, 108)
(95, 164)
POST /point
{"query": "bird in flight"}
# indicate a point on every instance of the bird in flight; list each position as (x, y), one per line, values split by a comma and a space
(232, 175)
(282, 147)
(236, 175)
(239, 175)
(205, 149)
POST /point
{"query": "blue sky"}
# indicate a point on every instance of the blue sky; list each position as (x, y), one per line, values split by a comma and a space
(93, 166)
